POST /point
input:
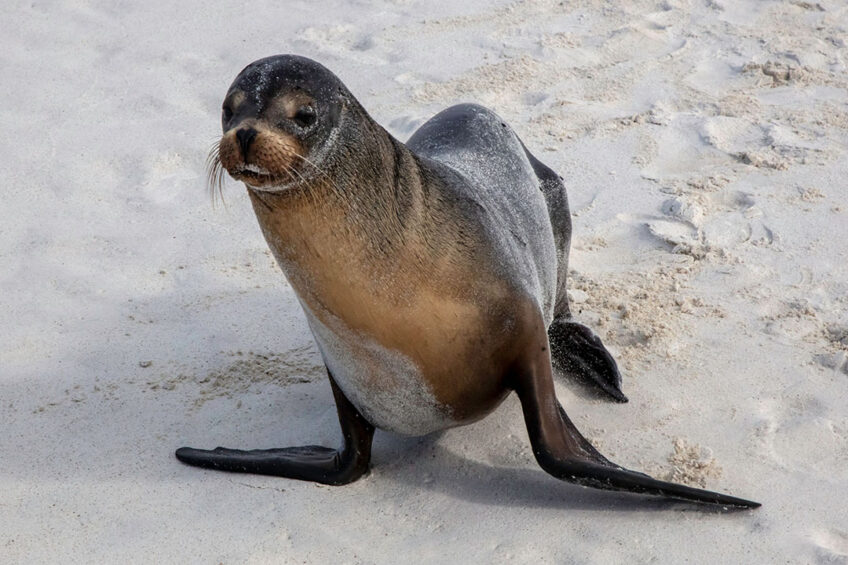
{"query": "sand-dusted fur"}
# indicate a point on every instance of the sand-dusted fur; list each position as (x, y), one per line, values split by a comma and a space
(429, 272)
(371, 244)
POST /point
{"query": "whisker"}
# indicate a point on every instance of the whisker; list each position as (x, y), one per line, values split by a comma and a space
(321, 172)
(215, 174)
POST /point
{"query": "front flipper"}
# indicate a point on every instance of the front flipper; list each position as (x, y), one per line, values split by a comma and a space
(580, 354)
(308, 463)
(563, 452)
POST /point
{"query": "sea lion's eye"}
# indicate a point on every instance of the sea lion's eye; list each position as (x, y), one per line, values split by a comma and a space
(305, 116)
(226, 113)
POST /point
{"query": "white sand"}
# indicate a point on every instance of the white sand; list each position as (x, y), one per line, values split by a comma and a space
(704, 147)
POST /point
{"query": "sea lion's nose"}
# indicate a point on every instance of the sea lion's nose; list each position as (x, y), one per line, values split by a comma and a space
(245, 137)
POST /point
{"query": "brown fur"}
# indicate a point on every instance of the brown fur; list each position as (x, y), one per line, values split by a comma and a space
(368, 242)
(399, 263)
(289, 105)
(399, 298)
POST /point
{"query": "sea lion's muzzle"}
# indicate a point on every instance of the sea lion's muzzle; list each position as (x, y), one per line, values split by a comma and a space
(259, 156)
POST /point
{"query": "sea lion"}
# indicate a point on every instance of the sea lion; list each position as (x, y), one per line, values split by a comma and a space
(432, 274)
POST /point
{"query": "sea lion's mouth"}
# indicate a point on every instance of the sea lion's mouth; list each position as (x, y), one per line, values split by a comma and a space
(252, 169)
(254, 175)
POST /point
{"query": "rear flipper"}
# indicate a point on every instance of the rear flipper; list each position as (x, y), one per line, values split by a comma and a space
(564, 453)
(596, 471)
(579, 353)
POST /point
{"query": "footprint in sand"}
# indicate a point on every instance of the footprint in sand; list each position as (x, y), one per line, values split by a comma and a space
(785, 432)
(831, 546)
(699, 223)
(345, 41)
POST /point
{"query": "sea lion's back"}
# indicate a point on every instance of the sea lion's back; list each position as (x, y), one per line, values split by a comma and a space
(475, 142)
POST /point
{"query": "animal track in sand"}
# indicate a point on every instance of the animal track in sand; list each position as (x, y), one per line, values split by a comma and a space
(831, 545)
(342, 40)
(794, 319)
(836, 337)
(778, 73)
(706, 221)
(838, 361)
(499, 81)
(784, 427)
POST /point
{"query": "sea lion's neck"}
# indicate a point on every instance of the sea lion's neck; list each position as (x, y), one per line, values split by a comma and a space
(354, 221)
(378, 188)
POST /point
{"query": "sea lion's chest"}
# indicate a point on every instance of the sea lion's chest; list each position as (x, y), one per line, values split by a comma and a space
(388, 387)
(405, 340)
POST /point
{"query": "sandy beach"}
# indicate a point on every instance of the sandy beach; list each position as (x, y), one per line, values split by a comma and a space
(704, 145)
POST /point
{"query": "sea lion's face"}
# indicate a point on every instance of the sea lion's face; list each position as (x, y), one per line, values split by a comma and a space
(278, 119)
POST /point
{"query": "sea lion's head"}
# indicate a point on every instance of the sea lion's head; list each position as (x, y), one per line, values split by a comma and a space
(279, 118)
